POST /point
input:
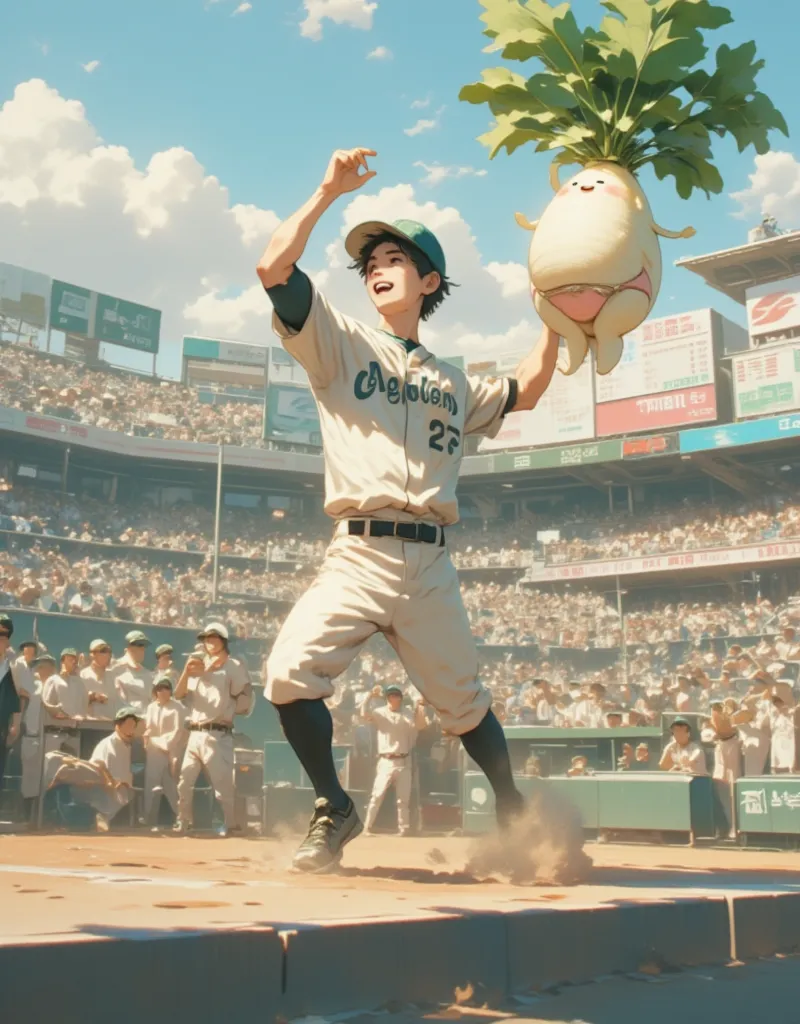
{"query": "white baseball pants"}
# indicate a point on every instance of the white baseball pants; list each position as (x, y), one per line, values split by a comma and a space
(391, 771)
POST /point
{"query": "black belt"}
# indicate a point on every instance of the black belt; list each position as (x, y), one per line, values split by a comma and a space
(395, 757)
(419, 533)
(209, 727)
(69, 730)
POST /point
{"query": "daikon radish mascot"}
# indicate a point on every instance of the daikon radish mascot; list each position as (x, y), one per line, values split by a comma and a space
(614, 101)
(595, 263)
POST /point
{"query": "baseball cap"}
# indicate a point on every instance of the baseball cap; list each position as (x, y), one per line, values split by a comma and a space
(392, 689)
(6, 624)
(136, 638)
(42, 658)
(162, 681)
(27, 643)
(99, 645)
(163, 649)
(69, 652)
(214, 629)
(128, 712)
(411, 230)
(680, 721)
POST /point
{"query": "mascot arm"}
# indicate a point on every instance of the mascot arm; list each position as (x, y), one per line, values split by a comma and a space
(686, 233)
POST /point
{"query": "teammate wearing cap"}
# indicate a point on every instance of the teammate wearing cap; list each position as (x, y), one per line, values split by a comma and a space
(163, 744)
(10, 708)
(216, 687)
(98, 678)
(164, 662)
(134, 682)
(29, 689)
(105, 781)
(397, 733)
(64, 700)
(394, 418)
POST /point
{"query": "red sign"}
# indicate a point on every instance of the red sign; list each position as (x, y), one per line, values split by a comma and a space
(655, 444)
(653, 412)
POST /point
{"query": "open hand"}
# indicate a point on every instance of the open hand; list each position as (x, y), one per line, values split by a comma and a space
(344, 173)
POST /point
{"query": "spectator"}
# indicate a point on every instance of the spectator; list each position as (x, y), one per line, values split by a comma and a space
(682, 754)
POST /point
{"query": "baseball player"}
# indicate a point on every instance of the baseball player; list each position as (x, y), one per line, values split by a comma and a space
(394, 418)
(133, 681)
(216, 688)
(163, 743)
(397, 734)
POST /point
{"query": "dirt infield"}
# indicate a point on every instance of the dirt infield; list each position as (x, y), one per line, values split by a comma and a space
(73, 885)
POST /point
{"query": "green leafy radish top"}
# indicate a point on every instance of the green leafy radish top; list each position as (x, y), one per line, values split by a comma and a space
(614, 100)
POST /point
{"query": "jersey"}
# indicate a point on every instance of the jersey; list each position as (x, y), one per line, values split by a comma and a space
(396, 731)
(393, 417)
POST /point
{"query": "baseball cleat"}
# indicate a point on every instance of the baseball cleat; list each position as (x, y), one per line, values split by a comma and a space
(329, 832)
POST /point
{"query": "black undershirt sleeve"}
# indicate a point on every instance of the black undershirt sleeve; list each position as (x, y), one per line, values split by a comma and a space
(292, 301)
(513, 392)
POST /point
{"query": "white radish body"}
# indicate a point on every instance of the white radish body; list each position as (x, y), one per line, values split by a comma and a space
(595, 263)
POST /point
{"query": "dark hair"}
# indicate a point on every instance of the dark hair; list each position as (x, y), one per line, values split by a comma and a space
(430, 303)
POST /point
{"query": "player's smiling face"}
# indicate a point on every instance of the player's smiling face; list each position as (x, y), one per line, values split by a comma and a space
(394, 283)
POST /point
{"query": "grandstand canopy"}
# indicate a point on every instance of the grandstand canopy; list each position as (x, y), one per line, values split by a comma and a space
(733, 271)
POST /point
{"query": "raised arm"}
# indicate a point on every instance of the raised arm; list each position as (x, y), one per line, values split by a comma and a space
(291, 236)
(536, 371)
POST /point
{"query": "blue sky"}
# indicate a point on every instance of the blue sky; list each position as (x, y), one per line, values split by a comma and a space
(261, 107)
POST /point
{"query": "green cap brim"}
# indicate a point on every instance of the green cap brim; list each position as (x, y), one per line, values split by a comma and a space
(362, 233)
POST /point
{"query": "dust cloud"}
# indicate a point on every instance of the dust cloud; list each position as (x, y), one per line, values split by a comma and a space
(544, 846)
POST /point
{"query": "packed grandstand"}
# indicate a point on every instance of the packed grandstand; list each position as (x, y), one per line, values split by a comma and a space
(609, 583)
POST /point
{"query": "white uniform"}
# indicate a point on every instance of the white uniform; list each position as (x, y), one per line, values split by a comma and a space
(114, 754)
(727, 755)
(211, 700)
(690, 759)
(393, 420)
(397, 734)
(23, 675)
(68, 697)
(164, 741)
(134, 684)
(31, 742)
(97, 683)
(783, 749)
(755, 740)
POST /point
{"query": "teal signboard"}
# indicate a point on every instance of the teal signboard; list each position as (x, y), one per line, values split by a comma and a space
(88, 314)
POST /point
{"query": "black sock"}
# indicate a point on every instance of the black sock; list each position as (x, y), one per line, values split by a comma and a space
(308, 726)
(486, 745)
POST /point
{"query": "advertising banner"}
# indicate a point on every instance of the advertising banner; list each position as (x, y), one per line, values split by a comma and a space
(89, 314)
(72, 309)
(652, 412)
(773, 309)
(734, 434)
(291, 415)
(753, 554)
(552, 458)
(24, 295)
(653, 444)
(565, 414)
(671, 353)
(767, 381)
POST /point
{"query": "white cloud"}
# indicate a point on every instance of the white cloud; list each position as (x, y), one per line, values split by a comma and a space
(774, 189)
(512, 278)
(421, 104)
(380, 53)
(43, 48)
(437, 173)
(91, 67)
(242, 9)
(167, 235)
(421, 126)
(356, 13)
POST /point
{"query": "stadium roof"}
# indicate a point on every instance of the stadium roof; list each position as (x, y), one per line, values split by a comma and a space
(732, 271)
